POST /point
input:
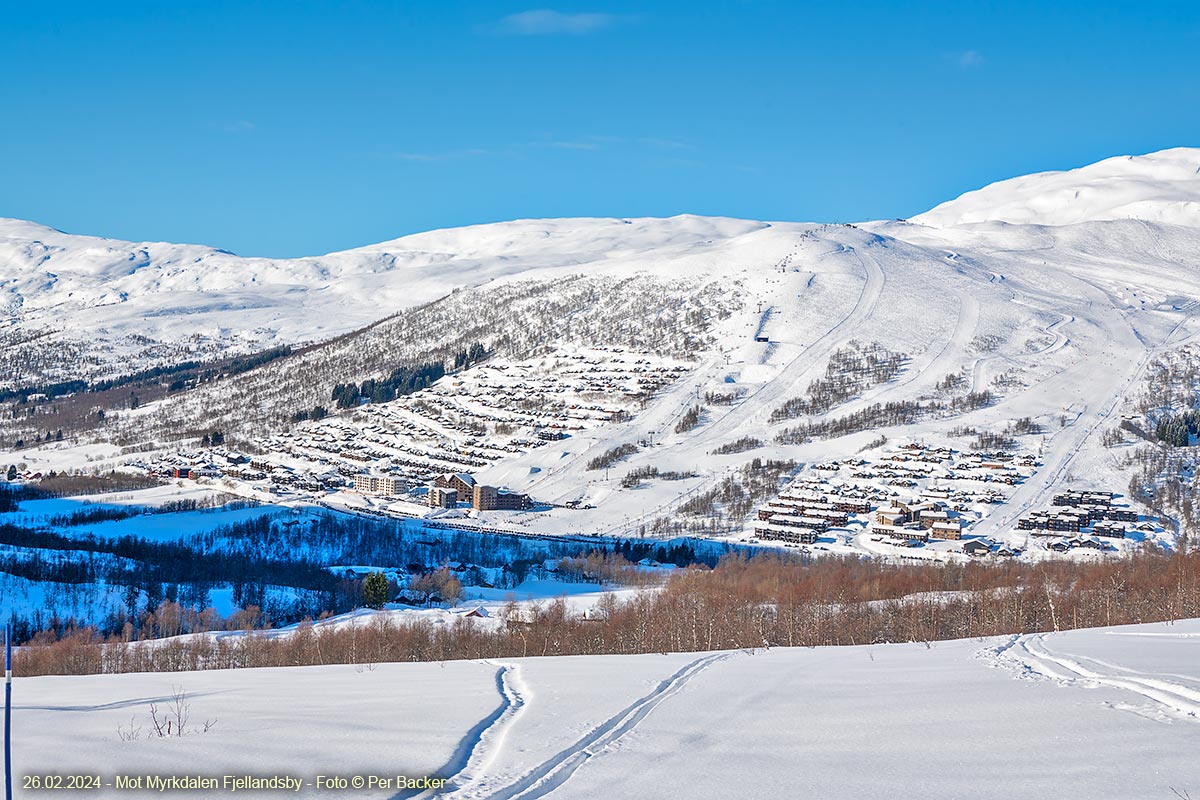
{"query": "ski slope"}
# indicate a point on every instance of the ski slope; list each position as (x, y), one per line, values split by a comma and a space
(1099, 713)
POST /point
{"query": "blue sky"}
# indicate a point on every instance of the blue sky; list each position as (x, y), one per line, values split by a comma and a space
(292, 127)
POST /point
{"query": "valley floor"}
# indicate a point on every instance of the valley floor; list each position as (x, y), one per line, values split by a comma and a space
(1096, 713)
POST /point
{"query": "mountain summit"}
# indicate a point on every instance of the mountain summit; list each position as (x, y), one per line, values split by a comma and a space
(1159, 187)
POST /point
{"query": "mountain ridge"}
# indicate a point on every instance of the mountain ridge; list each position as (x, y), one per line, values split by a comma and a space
(1161, 187)
(111, 303)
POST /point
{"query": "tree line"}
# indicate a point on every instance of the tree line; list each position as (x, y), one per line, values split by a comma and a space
(764, 601)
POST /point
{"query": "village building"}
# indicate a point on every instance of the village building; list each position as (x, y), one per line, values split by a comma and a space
(946, 530)
(461, 482)
(930, 518)
(1112, 530)
(441, 497)
(796, 521)
(787, 533)
(906, 534)
(977, 547)
(384, 485)
(1074, 497)
(491, 498)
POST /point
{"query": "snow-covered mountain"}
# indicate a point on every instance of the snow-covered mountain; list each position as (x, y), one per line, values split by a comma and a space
(101, 307)
(1064, 325)
(1159, 187)
(118, 300)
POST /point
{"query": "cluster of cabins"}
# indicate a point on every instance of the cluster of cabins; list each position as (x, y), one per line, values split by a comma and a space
(919, 521)
(474, 419)
(800, 516)
(1075, 511)
(825, 499)
(464, 423)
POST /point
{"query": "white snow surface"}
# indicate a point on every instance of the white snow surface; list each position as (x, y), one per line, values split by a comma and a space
(1161, 187)
(1098, 713)
(105, 290)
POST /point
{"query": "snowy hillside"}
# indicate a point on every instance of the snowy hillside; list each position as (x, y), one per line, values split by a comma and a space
(118, 306)
(1096, 713)
(1162, 187)
(674, 377)
(85, 307)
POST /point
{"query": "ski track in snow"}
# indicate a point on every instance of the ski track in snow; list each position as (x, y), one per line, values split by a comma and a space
(1173, 695)
(474, 782)
(478, 750)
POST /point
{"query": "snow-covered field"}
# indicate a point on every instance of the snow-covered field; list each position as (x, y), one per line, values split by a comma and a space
(1100, 713)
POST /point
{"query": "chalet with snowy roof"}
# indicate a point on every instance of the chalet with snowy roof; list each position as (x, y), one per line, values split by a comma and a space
(798, 521)
(904, 534)
(1110, 530)
(786, 533)
(929, 518)
(951, 529)
(1074, 497)
(461, 482)
(977, 547)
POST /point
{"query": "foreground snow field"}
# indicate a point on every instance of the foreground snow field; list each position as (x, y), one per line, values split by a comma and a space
(1100, 713)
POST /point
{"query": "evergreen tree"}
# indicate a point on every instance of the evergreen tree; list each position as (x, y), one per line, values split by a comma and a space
(375, 590)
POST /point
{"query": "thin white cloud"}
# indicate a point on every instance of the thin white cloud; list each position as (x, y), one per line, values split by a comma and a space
(970, 58)
(446, 155)
(604, 142)
(580, 144)
(546, 22)
(239, 126)
(665, 144)
(569, 145)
